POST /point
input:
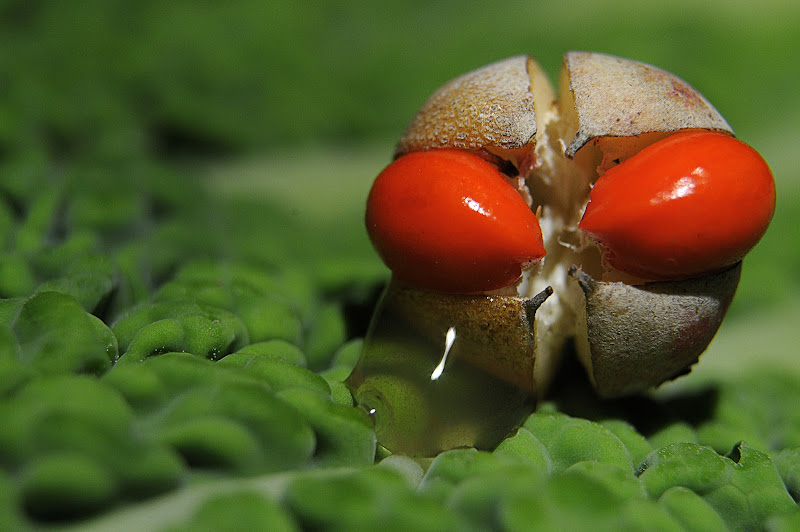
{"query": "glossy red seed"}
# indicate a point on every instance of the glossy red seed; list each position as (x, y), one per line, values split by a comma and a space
(693, 203)
(448, 220)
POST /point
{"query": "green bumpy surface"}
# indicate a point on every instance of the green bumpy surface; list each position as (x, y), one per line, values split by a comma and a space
(182, 368)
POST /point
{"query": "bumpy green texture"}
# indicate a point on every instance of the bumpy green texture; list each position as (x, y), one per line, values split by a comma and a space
(112, 323)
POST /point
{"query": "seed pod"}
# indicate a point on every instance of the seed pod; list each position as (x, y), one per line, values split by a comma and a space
(616, 99)
(492, 107)
(635, 337)
(632, 330)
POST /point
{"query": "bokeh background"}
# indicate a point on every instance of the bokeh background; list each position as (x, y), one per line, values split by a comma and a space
(295, 106)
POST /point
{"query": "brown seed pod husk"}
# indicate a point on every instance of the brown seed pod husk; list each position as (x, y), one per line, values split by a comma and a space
(636, 337)
(495, 333)
(615, 97)
(492, 108)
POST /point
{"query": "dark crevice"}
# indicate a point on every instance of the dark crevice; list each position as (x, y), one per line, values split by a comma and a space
(159, 209)
(60, 144)
(176, 141)
(358, 309)
(16, 205)
(574, 395)
(42, 508)
(200, 457)
(505, 166)
(104, 306)
(736, 453)
(59, 229)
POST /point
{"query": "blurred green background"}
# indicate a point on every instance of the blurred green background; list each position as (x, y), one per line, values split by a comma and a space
(296, 105)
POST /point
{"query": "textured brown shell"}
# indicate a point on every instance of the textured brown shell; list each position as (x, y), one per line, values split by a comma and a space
(488, 107)
(496, 333)
(615, 97)
(640, 336)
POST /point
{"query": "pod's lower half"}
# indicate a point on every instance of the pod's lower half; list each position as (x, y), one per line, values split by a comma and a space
(636, 337)
(439, 371)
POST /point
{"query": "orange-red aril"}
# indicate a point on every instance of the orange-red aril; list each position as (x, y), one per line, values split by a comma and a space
(448, 220)
(692, 203)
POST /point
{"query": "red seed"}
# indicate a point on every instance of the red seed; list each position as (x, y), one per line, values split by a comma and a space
(448, 220)
(692, 203)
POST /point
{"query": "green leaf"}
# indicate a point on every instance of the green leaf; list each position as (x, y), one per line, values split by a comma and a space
(479, 497)
(637, 445)
(366, 500)
(583, 501)
(452, 467)
(788, 464)
(344, 434)
(691, 510)
(525, 445)
(690, 465)
(276, 348)
(245, 511)
(277, 372)
(198, 393)
(153, 329)
(89, 281)
(66, 486)
(57, 336)
(16, 277)
(326, 334)
(744, 489)
(213, 442)
(757, 478)
(571, 440)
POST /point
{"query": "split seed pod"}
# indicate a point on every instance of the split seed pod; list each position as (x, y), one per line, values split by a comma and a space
(634, 324)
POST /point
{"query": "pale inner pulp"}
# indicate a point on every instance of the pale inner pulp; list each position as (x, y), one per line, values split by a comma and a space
(557, 189)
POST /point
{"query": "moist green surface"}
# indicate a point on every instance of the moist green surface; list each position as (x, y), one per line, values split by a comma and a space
(185, 279)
